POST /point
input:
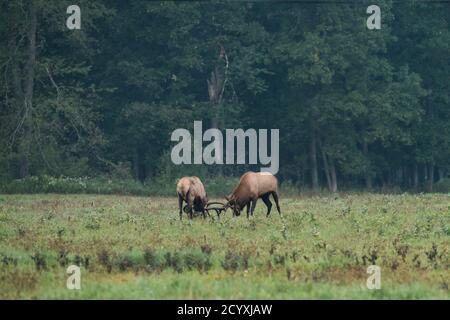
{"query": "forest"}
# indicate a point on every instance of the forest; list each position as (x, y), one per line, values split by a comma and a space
(356, 109)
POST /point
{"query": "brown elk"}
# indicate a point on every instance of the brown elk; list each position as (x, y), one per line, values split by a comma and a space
(251, 187)
(191, 191)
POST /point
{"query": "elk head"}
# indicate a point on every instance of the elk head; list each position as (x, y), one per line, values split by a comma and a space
(232, 203)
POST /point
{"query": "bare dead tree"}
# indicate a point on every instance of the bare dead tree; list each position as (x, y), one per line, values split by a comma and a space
(216, 86)
(215, 83)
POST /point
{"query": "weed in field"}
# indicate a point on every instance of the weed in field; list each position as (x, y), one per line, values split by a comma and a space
(40, 261)
(154, 260)
(402, 249)
(432, 255)
(8, 261)
(235, 261)
(63, 259)
(206, 249)
(175, 260)
(197, 260)
(105, 260)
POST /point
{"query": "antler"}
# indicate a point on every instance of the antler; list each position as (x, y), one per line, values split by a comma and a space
(217, 209)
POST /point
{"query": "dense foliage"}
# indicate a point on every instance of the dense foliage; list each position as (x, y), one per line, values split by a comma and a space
(355, 107)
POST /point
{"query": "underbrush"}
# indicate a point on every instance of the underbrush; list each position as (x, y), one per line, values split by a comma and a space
(161, 186)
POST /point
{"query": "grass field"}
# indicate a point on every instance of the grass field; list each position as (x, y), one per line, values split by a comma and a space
(136, 247)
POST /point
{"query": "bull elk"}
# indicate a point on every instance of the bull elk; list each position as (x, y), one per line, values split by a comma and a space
(191, 191)
(251, 187)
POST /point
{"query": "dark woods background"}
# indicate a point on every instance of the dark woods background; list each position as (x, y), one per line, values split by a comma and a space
(356, 108)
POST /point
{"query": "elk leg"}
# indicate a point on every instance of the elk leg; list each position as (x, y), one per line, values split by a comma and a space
(275, 197)
(180, 205)
(191, 211)
(253, 206)
(267, 202)
(190, 208)
(248, 209)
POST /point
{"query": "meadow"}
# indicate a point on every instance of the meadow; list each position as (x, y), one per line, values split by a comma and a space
(137, 248)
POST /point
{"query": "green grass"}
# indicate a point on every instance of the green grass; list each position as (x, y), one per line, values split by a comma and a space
(136, 247)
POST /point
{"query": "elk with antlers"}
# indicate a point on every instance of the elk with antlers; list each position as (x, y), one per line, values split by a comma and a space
(251, 187)
(191, 191)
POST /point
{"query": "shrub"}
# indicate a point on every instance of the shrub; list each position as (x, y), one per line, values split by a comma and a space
(105, 260)
(160, 186)
(235, 261)
(40, 261)
(48, 184)
(63, 259)
(154, 260)
(7, 260)
(175, 260)
(442, 186)
(198, 260)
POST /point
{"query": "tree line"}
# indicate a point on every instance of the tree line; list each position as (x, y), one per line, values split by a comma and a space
(356, 108)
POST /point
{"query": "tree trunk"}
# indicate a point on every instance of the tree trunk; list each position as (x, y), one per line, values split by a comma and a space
(383, 182)
(406, 177)
(440, 174)
(218, 123)
(416, 177)
(136, 164)
(430, 177)
(367, 173)
(313, 161)
(430, 167)
(325, 163)
(389, 178)
(139, 167)
(25, 143)
(216, 86)
(398, 176)
(333, 176)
